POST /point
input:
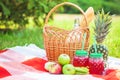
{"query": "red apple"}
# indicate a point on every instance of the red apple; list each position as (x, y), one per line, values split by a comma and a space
(48, 65)
(56, 69)
(53, 67)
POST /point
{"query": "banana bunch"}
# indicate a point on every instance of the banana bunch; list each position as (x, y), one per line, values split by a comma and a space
(81, 70)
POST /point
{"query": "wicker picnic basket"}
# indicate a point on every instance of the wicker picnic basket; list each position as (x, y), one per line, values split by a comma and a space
(58, 41)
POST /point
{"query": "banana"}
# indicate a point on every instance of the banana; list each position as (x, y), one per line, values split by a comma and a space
(81, 70)
(79, 73)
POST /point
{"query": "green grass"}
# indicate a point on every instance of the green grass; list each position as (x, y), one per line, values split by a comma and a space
(35, 36)
(21, 38)
(113, 38)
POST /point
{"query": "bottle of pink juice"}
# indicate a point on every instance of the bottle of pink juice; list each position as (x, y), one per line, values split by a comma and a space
(80, 59)
(96, 64)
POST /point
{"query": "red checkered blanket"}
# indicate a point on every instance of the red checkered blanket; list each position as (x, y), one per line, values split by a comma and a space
(27, 63)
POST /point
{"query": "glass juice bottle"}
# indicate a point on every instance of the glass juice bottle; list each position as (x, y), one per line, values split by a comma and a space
(80, 58)
(96, 64)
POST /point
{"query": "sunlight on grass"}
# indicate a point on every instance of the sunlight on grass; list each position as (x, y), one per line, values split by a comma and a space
(21, 38)
(64, 21)
(113, 38)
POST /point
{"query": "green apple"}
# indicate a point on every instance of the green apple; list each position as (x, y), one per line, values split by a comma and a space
(68, 69)
(63, 59)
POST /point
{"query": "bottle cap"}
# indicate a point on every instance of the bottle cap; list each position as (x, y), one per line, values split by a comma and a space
(96, 55)
(81, 53)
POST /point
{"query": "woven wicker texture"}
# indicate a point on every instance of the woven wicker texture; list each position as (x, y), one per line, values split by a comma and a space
(58, 41)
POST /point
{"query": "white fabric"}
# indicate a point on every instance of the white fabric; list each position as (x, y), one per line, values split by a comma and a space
(11, 55)
(30, 51)
(113, 63)
(47, 76)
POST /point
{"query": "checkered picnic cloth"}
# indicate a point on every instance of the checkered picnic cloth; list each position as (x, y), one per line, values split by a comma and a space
(27, 63)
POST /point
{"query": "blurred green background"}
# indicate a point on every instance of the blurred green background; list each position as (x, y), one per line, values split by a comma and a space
(22, 21)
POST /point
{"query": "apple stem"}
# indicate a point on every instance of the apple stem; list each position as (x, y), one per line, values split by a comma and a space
(83, 41)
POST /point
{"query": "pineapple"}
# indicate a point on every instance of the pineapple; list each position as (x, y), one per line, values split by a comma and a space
(102, 25)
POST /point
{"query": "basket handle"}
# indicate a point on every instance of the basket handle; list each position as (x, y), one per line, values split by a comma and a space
(65, 3)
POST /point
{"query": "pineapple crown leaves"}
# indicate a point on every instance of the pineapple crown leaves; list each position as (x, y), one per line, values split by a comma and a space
(102, 25)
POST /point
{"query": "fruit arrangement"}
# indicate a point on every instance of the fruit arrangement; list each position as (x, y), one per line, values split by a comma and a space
(82, 63)
(63, 66)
